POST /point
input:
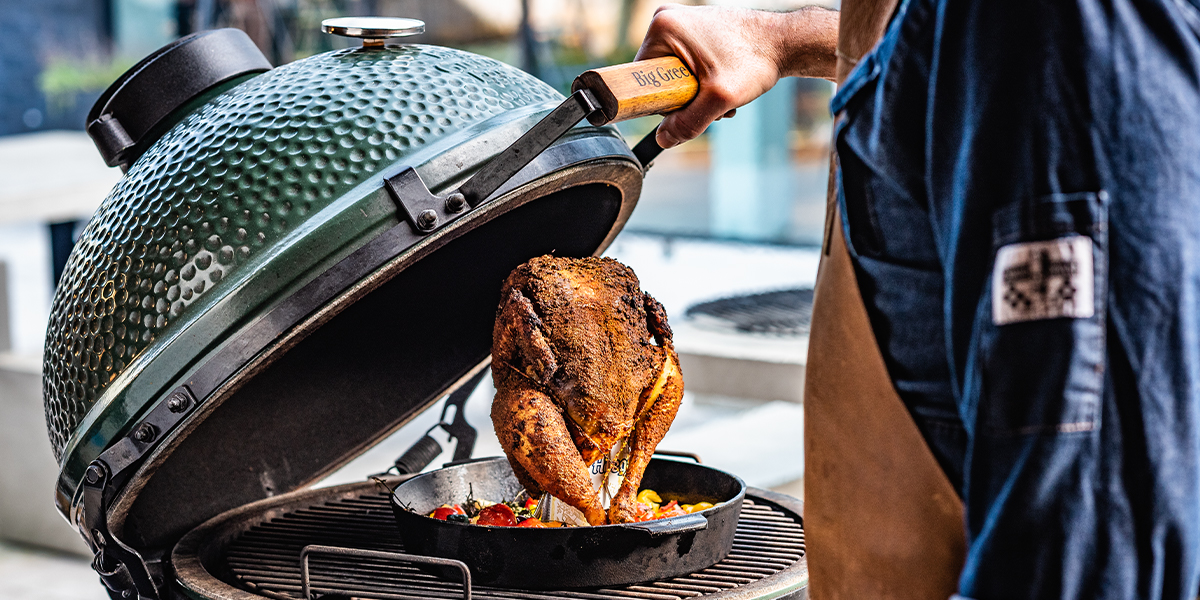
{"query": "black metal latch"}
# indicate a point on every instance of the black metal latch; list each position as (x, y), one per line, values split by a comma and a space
(121, 568)
(124, 571)
(426, 211)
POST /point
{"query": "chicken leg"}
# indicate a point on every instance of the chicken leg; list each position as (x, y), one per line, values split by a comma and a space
(656, 412)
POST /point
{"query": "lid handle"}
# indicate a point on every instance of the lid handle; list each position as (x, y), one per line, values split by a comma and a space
(373, 30)
(638, 89)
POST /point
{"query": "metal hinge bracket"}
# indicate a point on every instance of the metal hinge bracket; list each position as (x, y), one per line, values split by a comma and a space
(122, 569)
(426, 211)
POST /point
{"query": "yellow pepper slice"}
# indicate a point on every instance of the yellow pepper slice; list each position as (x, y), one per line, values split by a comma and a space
(649, 497)
(697, 507)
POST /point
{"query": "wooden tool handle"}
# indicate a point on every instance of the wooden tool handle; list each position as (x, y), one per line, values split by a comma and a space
(638, 89)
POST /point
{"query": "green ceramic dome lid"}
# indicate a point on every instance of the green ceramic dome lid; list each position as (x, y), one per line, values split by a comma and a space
(268, 196)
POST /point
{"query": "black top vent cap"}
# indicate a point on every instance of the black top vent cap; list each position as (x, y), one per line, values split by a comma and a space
(142, 104)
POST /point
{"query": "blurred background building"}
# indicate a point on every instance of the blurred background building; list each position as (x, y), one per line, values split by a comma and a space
(725, 234)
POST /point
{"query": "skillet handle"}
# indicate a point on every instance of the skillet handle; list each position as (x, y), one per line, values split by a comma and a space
(638, 89)
(676, 453)
(672, 526)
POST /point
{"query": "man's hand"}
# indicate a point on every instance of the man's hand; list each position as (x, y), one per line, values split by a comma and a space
(737, 55)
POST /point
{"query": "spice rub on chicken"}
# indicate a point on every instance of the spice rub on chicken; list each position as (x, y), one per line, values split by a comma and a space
(582, 359)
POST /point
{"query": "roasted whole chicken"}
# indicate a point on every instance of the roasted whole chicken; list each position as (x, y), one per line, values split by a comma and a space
(582, 359)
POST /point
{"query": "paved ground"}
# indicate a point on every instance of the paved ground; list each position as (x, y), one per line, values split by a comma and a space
(29, 574)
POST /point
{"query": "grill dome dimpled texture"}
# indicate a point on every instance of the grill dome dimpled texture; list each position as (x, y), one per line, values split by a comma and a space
(235, 177)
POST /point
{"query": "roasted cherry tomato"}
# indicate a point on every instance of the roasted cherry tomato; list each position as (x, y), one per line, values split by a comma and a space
(499, 515)
(445, 511)
(671, 509)
(531, 522)
(643, 512)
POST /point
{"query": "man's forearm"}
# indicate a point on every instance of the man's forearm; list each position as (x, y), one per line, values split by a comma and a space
(807, 42)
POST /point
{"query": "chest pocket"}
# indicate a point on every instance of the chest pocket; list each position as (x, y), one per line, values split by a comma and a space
(1042, 345)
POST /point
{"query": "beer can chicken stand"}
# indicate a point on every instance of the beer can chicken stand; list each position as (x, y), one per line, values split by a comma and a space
(583, 362)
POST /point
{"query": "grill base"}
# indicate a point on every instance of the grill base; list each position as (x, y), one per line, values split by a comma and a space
(253, 552)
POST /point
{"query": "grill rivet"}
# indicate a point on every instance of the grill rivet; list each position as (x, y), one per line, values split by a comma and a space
(144, 434)
(426, 219)
(93, 475)
(178, 403)
(455, 202)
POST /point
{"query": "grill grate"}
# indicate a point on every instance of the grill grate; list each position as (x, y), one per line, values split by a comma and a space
(784, 313)
(266, 558)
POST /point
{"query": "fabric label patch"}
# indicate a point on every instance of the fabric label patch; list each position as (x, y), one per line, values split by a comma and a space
(1044, 280)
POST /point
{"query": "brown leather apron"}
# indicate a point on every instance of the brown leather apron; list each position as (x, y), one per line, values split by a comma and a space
(881, 519)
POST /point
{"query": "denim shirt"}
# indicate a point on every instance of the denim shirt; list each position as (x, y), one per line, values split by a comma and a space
(1020, 188)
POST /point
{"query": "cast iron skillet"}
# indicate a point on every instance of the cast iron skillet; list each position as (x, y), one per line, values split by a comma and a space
(571, 557)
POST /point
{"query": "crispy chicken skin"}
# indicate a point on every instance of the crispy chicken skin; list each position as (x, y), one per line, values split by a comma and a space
(581, 359)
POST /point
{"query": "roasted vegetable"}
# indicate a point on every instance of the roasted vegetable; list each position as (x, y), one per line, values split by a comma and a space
(445, 510)
(670, 509)
(499, 515)
(649, 497)
(650, 507)
(519, 513)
